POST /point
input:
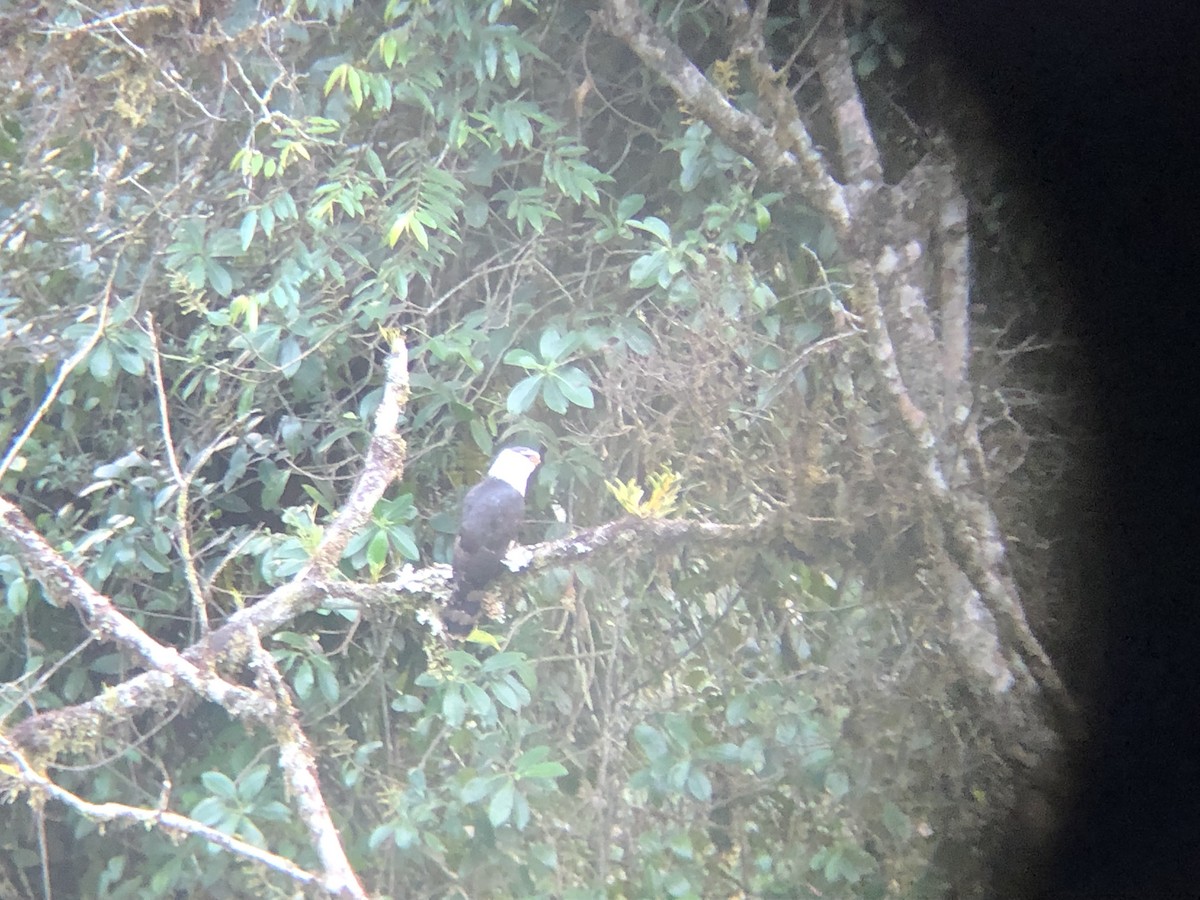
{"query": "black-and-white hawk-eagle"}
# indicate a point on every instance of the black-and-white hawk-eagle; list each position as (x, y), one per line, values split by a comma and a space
(492, 513)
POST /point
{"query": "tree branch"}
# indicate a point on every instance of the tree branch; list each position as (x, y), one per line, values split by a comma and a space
(19, 768)
(860, 156)
(803, 171)
(182, 484)
(237, 640)
(64, 586)
(300, 772)
(859, 215)
(227, 646)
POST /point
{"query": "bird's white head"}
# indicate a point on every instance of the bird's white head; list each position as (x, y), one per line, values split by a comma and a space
(514, 465)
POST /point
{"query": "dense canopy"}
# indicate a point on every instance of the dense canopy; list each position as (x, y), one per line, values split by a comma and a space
(277, 279)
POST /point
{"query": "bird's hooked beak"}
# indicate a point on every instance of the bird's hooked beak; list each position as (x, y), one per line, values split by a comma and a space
(532, 455)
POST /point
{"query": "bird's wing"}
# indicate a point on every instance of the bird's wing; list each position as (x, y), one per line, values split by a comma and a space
(491, 515)
(492, 512)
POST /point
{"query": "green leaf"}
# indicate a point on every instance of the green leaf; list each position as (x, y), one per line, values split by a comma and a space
(524, 392)
(522, 358)
(252, 783)
(699, 786)
(379, 835)
(746, 232)
(848, 863)
(681, 845)
(630, 206)
(491, 56)
(724, 752)
(552, 395)
(194, 272)
(738, 710)
(481, 436)
(512, 65)
(478, 700)
(224, 243)
(336, 77)
(454, 708)
(218, 278)
(208, 811)
(387, 49)
(402, 538)
(131, 361)
(405, 836)
(407, 703)
(531, 756)
(377, 550)
(247, 228)
(219, 785)
(543, 770)
(508, 661)
(677, 775)
(327, 683)
(636, 338)
(651, 740)
(646, 269)
(100, 362)
(677, 885)
(506, 696)
(501, 805)
(554, 346)
(575, 385)
(359, 541)
(837, 784)
(655, 226)
(290, 356)
(302, 680)
(478, 788)
(16, 596)
(250, 833)
(274, 811)
(867, 63)
(521, 812)
(806, 332)
(417, 227)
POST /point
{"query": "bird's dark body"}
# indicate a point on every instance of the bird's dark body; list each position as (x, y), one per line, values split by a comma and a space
(491, 515)
(492, 512)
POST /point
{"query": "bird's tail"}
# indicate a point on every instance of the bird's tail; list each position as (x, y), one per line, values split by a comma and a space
(462, 610)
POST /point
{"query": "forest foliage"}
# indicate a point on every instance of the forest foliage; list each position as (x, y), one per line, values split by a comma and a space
(217, 218)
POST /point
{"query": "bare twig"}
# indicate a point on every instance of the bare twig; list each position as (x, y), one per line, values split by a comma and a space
(68, 366)
(954, 293)
(183, 485)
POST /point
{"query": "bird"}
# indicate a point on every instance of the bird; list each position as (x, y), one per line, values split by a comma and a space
(491, 514)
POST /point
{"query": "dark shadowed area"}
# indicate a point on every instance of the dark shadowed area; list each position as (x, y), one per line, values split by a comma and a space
(1094, 105)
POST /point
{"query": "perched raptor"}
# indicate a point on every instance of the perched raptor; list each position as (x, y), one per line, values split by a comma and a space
(491, 515)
